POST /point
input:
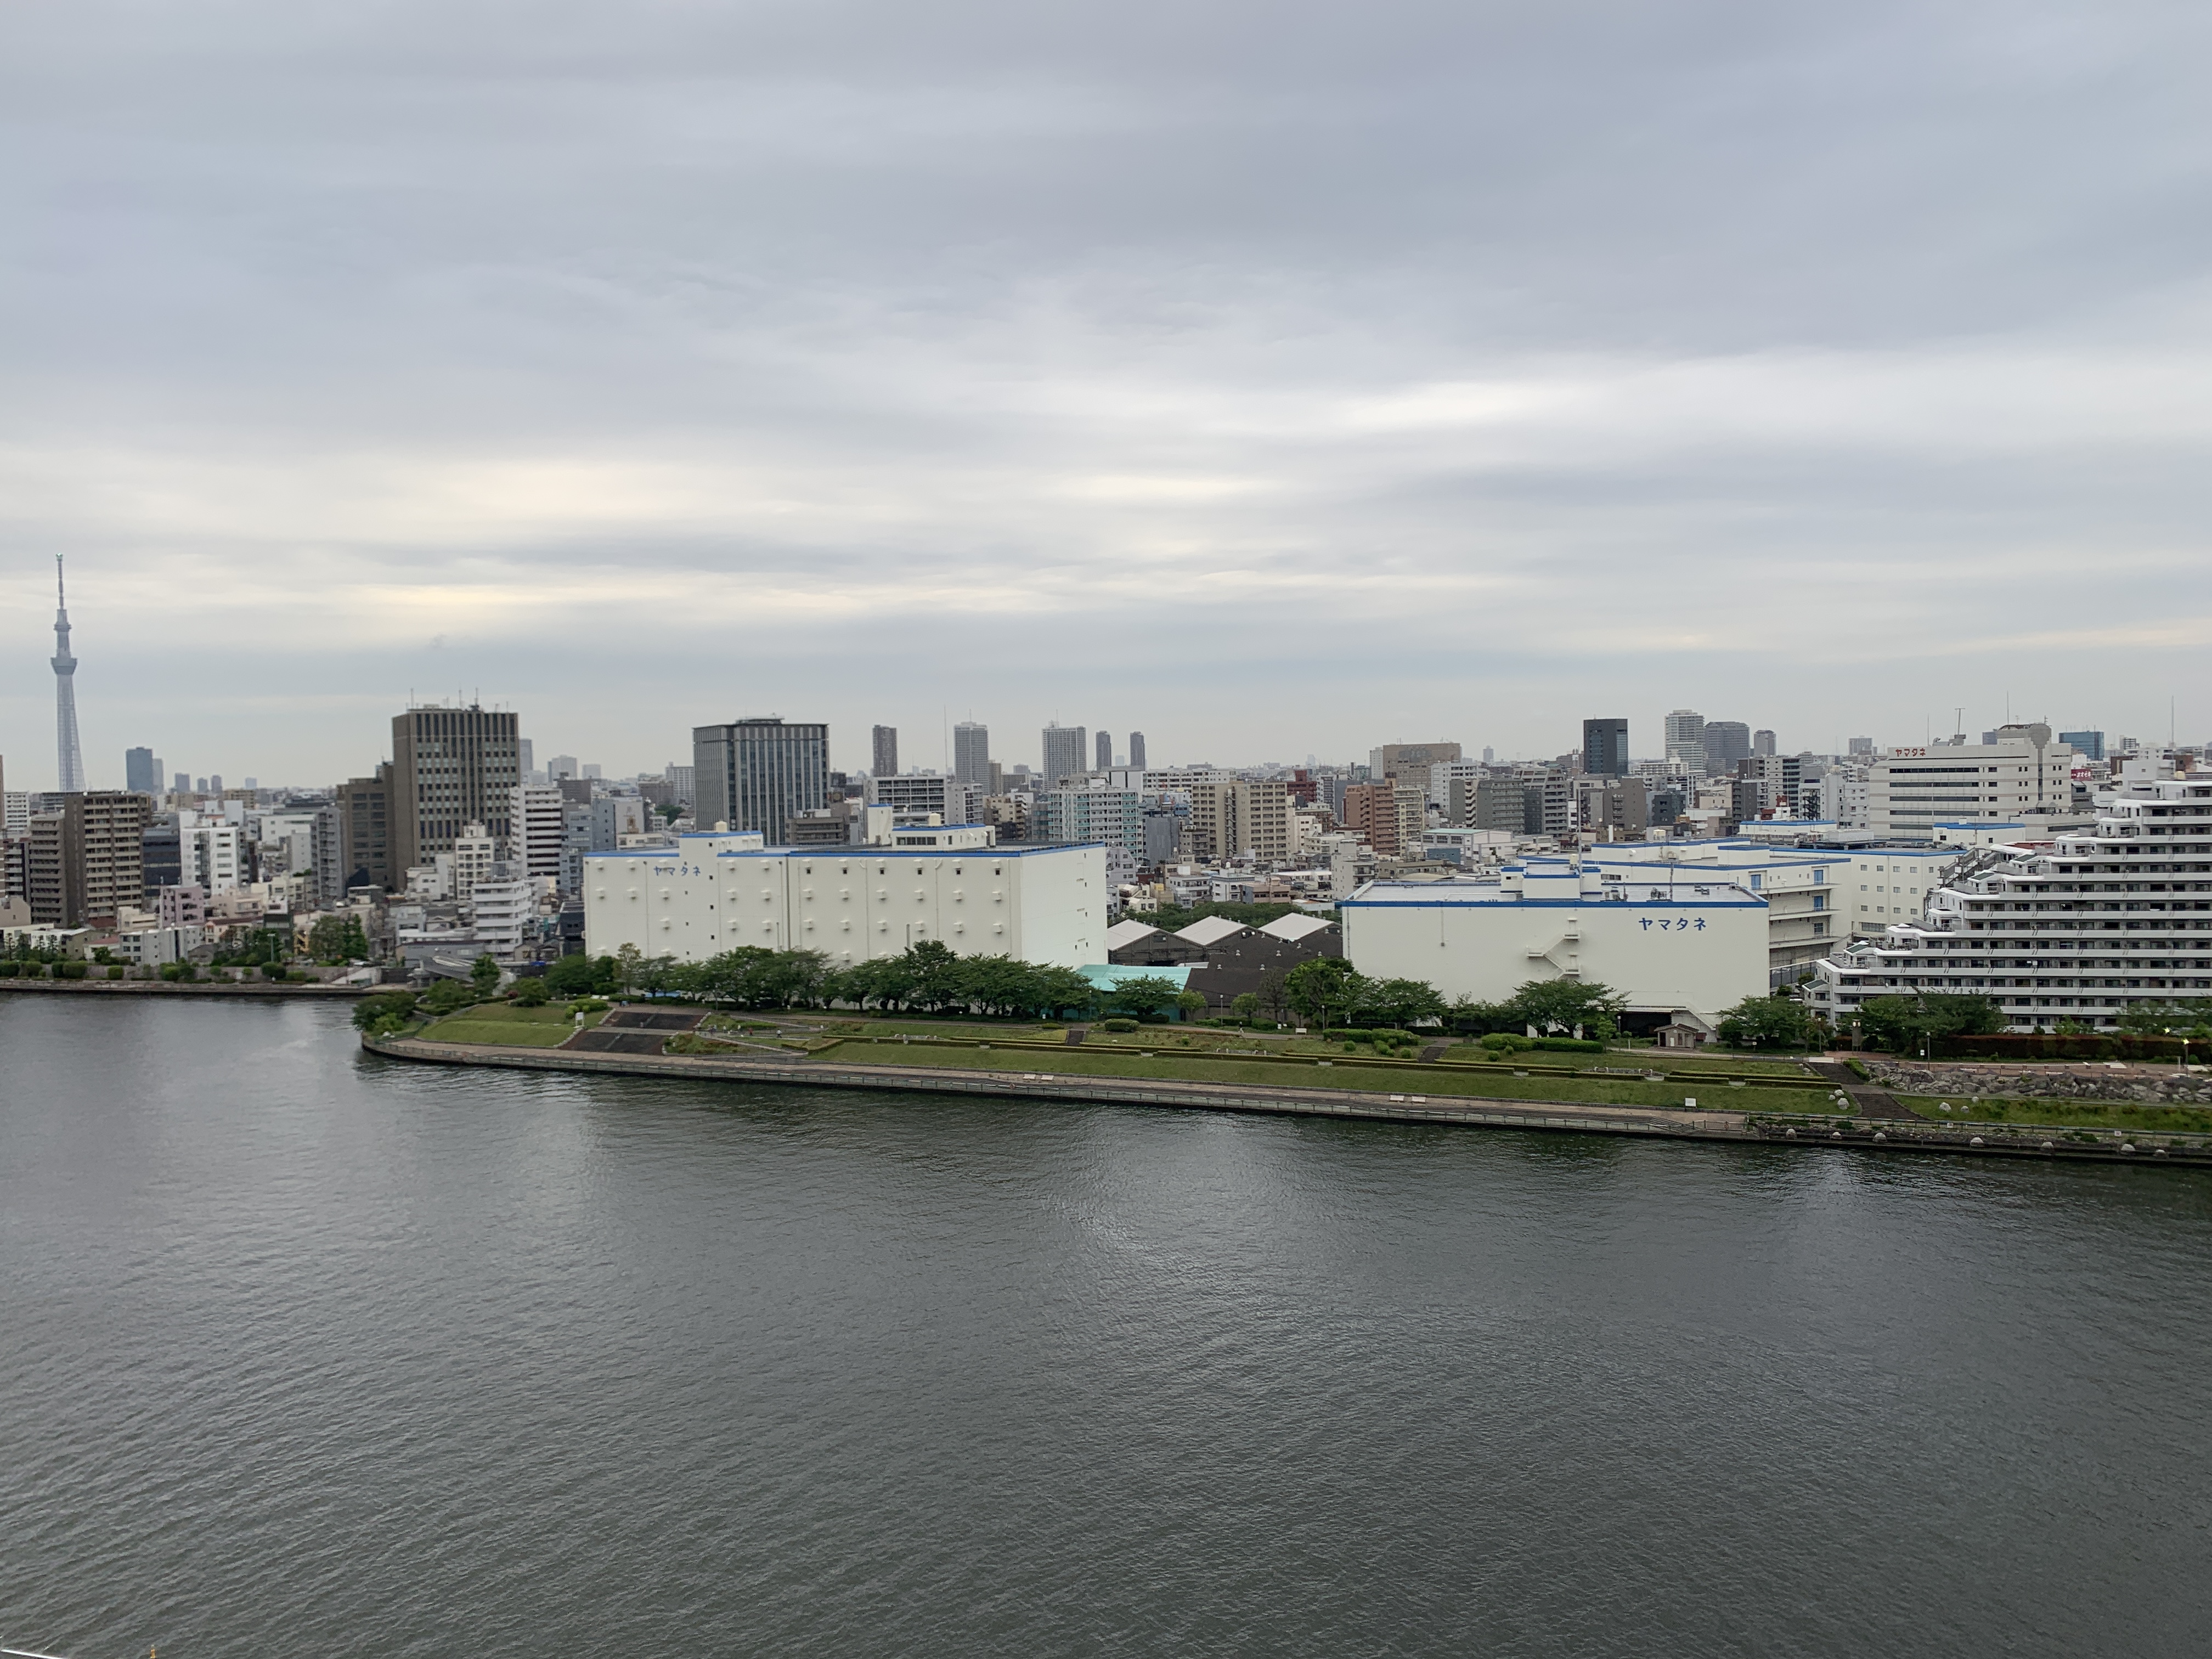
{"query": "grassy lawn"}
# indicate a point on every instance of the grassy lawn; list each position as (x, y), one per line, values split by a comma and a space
(503, 1025)
(1085, 1061)
(2067, 1113)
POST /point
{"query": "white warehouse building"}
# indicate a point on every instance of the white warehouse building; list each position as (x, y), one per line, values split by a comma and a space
(1677, 954)
(716, 891)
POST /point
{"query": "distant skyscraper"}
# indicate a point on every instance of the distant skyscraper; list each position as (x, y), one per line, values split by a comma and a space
(758, 773)
(182, 783)
(1686, 740)
(1862, 745)
(451, 767)
(2090, 745)
(1137, 751)
(1605, 748)
(142, 772)
(971, 753)
(1103, 747)
(69, 755)
(562, 766)
(1064, 752)
(1727, 742)
(882, 754)
(1762, 742)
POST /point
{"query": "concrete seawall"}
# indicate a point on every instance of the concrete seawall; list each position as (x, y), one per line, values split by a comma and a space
(1457, 1111)
(163, 988)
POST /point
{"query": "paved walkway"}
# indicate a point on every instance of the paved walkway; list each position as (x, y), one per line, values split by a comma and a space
(1866, 1101)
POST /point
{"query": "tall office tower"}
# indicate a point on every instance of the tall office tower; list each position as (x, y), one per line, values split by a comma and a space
(69, 756)
(971, 753)
(2090, 745)
(88, 860)
(1136, 751)
(1727, 742)
(1605, 748)
(1685, 741)
(526, 756)
(215, 783)
(533, 840)
(559, 767)
(1064, 752)
(181, 782)
(1103, 747)
(757, 774)
(1762, 742)
(450, 767)
(142, 772)
(883, 753)
(364, 809)
(1862, 745)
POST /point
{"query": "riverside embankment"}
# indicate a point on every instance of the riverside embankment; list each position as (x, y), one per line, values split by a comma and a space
(1799, 1130)
(163, 988)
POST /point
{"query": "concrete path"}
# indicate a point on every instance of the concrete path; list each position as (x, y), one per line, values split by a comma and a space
(1866, 1101)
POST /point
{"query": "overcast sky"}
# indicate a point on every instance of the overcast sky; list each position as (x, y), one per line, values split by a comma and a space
(1275, 379)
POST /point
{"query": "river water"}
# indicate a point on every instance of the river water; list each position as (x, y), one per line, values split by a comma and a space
(304, 1352)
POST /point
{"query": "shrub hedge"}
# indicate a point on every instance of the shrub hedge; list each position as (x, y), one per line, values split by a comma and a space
(2021, 1045)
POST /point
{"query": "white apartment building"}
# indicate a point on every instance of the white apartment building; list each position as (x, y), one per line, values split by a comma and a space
(1885, 885)
(534, 829)
(475, 855)
(2077, 927)
(210, 855)
(502, 911)
(1681, 957)
(719, 890)
(2024, 774)
(1685, 735)
(912, 795)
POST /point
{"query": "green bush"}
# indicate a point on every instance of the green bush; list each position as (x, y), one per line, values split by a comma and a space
(1504, 1043)
(1118, 1024)
(532, 994)
(370, 1012)
(116, 973)
(9, 970)
(69, 970)
(1349, 1034)
(1570, 1045)
(589, 1006)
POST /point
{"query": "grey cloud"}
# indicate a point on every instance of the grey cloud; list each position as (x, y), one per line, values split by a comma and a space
(1006, 343)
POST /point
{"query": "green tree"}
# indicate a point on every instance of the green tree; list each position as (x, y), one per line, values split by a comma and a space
(449, 996)
(1915, 1024)
(531, 993)
(483, 973)
(629, 962)
(1190, 1004)
(1245, 1005)
(1402, 1002)
(1553, 1005)
(580, 976)
(1768, 1022)
(371, 1010)
(1323, 986)
(1146, 996)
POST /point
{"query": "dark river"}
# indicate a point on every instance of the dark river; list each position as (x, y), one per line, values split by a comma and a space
(304, 1353)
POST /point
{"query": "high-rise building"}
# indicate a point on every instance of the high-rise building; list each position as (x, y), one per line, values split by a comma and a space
(182, 783)
(1064, 753)
(1408, 764)
(88, 860)
(142, 772)
(1136, 751)
(1762, 742)
(924, 792)
(1727, 742)
(364, 809)
(971, 755)
(883, 752)
(1388, 816)
(756, 774)
(2090, 745)
(533, 836)
(450, 767)
(69, 754)
(1113, 816)
(562, 766)
(1685, 740)
(2022, 773)
(1102, 749)
(1862, 745)
(1605, 748)
(524, 757)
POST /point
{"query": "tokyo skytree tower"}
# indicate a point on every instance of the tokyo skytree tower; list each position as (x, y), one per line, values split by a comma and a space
(72, 757)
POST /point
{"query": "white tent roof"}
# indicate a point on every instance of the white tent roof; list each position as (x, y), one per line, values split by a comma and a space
(1295, 928)
(1208, 930)
(1128, 932)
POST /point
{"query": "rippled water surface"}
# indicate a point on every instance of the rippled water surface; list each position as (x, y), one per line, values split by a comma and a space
(305, 1351)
